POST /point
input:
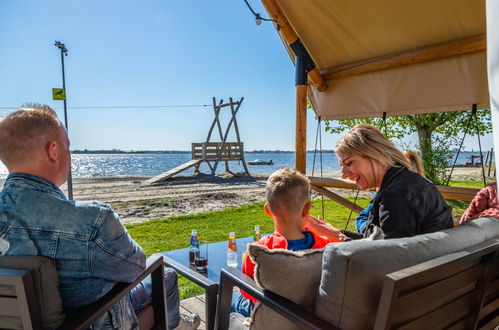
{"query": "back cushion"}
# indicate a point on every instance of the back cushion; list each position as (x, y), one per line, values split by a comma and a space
(46, 281)
(353, 272)
(291, 274)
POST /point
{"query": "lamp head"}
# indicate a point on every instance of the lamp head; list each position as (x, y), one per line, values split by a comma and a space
(62, 47)
(258, 19)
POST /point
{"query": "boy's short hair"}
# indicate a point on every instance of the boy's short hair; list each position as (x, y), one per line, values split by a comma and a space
(287, 191)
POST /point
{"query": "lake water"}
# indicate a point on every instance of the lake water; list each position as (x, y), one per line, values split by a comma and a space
(110, 165)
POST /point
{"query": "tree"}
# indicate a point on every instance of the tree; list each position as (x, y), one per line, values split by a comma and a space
(438, 134)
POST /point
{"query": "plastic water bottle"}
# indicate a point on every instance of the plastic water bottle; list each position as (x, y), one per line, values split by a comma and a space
(193, 247)
(256, 234)
(232, 251)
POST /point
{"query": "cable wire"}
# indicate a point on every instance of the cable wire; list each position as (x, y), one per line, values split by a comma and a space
(257, 15)
(128, 107)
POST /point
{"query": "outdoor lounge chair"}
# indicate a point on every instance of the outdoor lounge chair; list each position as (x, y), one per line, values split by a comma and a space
(447, 279)
(29, 296)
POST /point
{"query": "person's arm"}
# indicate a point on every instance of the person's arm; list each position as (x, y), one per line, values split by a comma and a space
(397, 217)
(248, 268)
(361, 220)
(478, 204)
(321, 227)
(115, 256)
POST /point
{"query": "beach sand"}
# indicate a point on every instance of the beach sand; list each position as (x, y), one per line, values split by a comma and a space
(135, 202)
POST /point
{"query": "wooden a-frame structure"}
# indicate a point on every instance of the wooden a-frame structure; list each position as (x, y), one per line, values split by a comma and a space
(213, 152)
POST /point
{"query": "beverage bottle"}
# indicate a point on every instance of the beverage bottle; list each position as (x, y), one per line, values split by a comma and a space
(256, 234)
(232, 251)
(193, 247)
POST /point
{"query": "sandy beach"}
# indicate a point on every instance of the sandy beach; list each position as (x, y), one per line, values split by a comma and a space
(136, 202)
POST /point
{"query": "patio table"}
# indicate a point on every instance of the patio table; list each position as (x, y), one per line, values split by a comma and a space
(217, 258)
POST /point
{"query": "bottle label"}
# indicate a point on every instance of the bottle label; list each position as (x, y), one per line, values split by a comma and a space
(194, 241)
(232, 245)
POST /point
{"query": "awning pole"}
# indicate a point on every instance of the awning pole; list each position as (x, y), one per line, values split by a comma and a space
(303, 65)
(301, 129)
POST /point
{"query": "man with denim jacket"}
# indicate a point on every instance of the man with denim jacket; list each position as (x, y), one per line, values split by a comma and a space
(90, 246)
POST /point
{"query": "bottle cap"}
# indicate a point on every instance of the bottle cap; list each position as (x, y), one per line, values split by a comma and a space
(257, 227)
(232, 234)
(194, 232)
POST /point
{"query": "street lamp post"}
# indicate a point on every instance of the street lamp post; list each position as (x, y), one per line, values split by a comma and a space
(64, 52)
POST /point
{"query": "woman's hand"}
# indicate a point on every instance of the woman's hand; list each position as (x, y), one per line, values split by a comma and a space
(323, 228)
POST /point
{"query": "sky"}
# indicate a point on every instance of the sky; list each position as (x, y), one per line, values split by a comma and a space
(154, 53)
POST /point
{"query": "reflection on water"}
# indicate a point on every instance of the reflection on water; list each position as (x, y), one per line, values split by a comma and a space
(109, 165)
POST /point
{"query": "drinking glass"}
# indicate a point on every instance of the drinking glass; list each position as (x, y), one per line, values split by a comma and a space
(201, 260)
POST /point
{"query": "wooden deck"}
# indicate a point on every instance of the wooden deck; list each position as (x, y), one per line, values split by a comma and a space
(195, 305)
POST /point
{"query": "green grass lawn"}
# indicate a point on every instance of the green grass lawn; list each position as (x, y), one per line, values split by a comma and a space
(174, 232)
(470, 184)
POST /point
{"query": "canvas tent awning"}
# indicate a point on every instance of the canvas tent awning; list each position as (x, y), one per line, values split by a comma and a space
(398, 57)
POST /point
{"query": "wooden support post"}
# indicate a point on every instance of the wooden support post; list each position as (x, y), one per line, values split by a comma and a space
(490, 160)
(301, 129)
(216, 121)
(233, 112)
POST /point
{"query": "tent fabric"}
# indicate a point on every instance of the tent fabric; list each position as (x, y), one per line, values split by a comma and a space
(345, 31)
(493, 67)
(438, 86)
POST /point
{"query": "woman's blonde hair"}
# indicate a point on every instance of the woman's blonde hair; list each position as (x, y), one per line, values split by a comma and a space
(415, 160)
(367, 141)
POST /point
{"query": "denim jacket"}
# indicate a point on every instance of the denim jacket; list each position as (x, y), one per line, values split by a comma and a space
(90, 246)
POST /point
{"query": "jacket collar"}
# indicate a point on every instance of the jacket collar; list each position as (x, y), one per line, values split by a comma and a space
(34, 180)
(390, 174)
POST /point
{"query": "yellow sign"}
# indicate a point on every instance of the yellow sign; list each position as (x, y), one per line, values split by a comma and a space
(58, 94)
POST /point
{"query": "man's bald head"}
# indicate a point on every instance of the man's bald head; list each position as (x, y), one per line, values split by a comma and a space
(25, 130)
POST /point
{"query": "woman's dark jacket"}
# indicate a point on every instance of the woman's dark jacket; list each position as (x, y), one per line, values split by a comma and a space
(407, 204)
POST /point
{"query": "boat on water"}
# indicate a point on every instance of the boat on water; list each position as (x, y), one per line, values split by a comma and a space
(261, 162)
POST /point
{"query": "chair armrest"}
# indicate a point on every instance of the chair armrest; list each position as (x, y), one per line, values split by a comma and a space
(234, 277)
(89, 314)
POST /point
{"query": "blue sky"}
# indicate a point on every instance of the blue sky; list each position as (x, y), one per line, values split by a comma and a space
(139, 53)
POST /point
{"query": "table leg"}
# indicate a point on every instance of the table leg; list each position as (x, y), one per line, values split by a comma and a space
(211, 306)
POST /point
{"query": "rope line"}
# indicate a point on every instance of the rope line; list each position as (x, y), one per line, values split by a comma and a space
(460, 146)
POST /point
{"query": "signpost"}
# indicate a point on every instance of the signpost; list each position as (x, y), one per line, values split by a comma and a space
(60, 94)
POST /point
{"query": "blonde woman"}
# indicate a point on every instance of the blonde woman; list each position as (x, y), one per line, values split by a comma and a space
(406, 204)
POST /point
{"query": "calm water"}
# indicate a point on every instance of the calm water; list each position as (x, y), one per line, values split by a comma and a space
(109, 165)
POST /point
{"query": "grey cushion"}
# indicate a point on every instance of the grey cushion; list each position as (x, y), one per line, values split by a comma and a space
(237, 322)
(46, 283)
(353, 272)
(291, 274)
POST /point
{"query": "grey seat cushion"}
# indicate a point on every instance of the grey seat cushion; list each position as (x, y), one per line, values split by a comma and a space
(291, 274)
(237, 322)
(46, 281)
(353, 272)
